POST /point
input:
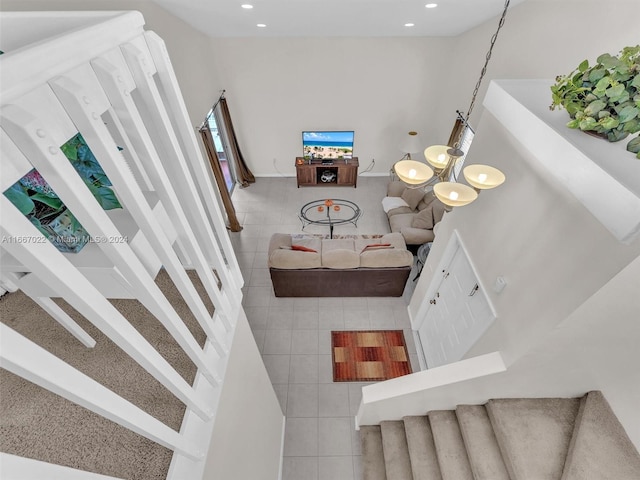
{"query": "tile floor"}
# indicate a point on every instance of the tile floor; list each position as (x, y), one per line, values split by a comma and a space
(293, 334)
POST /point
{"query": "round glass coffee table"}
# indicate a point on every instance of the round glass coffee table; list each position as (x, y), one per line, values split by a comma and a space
(329, 212)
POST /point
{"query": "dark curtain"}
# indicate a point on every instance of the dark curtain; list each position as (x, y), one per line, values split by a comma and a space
(210, 148)
(245, 177)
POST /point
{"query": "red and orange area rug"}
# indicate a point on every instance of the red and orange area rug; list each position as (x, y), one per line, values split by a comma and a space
(369, 356)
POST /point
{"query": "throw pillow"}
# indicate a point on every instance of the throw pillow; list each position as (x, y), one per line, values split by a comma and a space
(302, 248)
(376, 246)
(389, 203)
(423, 219)
(412, 196)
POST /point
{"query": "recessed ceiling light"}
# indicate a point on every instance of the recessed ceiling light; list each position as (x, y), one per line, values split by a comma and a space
(247, 6)
(261, 25)
(409, 24)
(431, 5)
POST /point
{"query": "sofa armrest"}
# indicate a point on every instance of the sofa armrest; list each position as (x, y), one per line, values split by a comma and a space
(417, 236)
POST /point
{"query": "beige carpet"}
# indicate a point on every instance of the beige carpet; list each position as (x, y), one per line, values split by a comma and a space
(38, 424)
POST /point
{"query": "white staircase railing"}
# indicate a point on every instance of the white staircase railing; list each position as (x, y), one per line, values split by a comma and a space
(113, 83)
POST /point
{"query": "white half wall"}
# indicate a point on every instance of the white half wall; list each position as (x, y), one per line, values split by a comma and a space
(247, 435)
(595, 348)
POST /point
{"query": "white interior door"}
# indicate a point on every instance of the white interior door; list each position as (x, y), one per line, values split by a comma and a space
(458, 313)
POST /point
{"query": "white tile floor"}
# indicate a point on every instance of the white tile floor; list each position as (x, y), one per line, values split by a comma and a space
(294, 334)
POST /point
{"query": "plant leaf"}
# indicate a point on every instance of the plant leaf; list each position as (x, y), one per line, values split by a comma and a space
(615, 90)
(54, 203)
(627, 113)
(594, 107)
(583, 66)
(588, 123)
(609, 123)
(632, 126)
(16, 195)
(39, 226)
(596, 74)
(107, 198)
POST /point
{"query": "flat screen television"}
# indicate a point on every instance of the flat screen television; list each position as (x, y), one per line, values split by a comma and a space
(327, 144)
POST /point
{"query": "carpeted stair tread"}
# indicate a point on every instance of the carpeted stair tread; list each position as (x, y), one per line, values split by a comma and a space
(396, 452)
(481, 444)
(452, 456)
(600, 448)
(533, 434)
(422, 450)
(372, 453)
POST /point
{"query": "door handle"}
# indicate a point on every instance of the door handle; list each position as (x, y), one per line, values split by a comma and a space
(474, 290)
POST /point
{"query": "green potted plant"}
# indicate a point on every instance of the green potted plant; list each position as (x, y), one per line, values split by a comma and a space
(604, 99)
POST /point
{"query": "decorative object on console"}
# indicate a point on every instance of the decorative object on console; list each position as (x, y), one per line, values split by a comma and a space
(603, 99)
(445, 158)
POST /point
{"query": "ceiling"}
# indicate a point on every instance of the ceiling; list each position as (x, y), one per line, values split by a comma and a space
(328, 18)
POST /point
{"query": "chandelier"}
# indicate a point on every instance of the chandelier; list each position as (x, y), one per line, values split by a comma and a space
(444, 158)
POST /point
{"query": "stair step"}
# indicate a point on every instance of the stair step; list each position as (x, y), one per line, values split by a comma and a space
(372, 453)
(600, 448)
(533, 434)
(452, 456)
(396, 452)
(481, 444)
(422, 450)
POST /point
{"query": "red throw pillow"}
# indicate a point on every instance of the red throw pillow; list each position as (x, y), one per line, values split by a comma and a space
(376, 246)
(303, 248)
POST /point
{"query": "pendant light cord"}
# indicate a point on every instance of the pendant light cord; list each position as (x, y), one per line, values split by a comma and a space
(486, 62)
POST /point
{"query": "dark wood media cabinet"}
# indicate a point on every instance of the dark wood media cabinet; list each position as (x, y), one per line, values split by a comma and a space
(343, 172)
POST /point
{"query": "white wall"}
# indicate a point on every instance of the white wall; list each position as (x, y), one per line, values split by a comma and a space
(539, 39)
(189, 49)
(379, 87)
(383, 87)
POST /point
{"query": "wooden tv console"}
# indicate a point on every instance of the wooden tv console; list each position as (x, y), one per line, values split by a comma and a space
(310, 172)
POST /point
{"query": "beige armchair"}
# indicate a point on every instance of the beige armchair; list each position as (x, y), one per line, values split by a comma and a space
(412, 212)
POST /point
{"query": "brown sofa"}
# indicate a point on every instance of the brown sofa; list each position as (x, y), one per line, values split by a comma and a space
(345, 267)
(412, 212)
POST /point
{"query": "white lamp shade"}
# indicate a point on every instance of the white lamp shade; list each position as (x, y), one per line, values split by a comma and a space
(413, 172)
(454, 194)
(437, 156)
(411, 143)
(483, 176)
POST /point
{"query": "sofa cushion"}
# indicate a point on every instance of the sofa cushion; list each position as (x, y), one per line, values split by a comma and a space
(339, 253)
(424, 218)
(340, 258)
(397, 222)
(393, 257)
(412, 196)
(292, 259)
